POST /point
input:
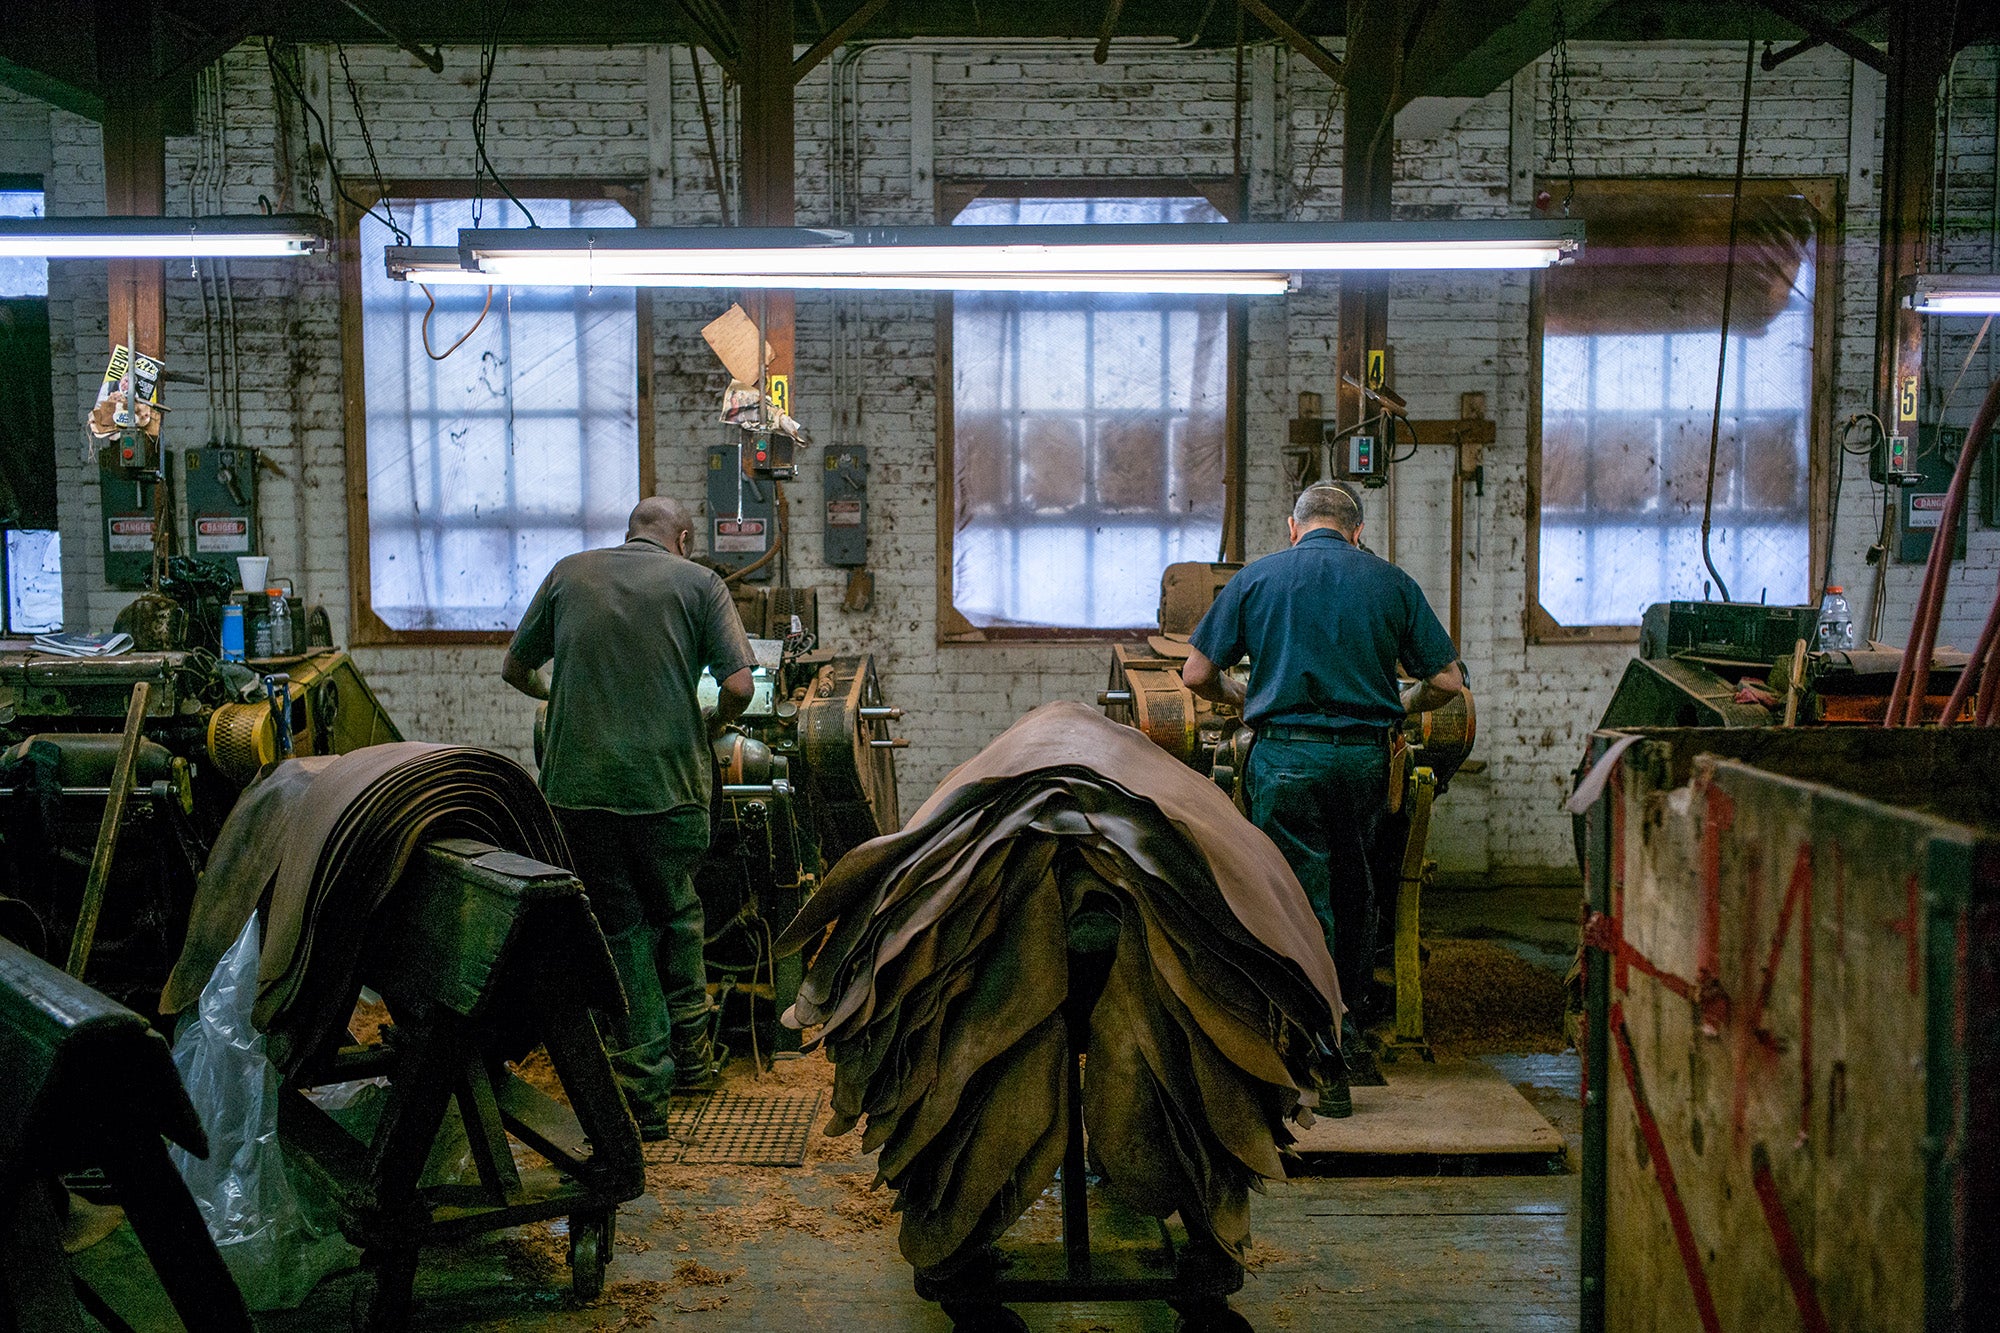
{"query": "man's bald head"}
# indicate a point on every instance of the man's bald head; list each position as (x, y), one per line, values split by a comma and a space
(668, 522)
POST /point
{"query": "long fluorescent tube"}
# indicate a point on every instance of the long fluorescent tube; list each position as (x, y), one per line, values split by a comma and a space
(1262, 248)
(251, 236)
(424, 265)
(1954, 293)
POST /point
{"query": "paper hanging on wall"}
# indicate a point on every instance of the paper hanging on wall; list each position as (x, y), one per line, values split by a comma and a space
(733, 337)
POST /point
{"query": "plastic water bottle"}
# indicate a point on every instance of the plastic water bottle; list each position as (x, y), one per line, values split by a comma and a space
(281, 622)
(1836, 622)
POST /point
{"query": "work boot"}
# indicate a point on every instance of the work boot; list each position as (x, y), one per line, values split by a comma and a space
(697, 1062)
(1336, 1100)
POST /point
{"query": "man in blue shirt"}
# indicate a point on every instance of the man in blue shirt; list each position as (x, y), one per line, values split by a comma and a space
(1325, 626)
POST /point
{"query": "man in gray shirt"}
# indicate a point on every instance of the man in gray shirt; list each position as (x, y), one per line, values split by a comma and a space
(625, 764)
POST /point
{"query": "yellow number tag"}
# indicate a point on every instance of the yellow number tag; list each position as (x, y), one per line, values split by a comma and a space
(1906, 399)
(781, 393)
(1377, 369)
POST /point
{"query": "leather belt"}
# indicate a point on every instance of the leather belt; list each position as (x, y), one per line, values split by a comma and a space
(1325, 735)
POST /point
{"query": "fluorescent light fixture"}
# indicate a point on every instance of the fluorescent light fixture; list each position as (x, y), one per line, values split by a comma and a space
(433, 267)
(1230, 258)
(252, 236)
(1953, 293)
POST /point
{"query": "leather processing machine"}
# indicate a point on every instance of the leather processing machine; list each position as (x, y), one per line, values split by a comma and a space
(202, 730)
(1145, 691)
(1735, 664)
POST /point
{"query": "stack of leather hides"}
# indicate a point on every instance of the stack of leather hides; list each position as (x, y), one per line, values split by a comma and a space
(1072, 887)
(320, 842)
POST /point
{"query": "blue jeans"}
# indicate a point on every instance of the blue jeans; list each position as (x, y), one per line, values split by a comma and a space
(1321, 803)
(638, 873)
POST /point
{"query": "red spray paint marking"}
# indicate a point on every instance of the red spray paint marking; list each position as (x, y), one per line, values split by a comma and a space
(1708, 949)
(1663, 1171)
(1906, 926)
(1790, 1257)
(1607, 933)
(1797, 894)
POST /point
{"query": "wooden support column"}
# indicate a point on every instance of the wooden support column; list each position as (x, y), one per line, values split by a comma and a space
(1375, 48)
(1920, 50)
(135, 165)
(766, 151)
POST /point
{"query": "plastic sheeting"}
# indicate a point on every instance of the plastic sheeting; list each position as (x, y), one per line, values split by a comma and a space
(1089, 434)
(519, 448)
(1630, 337)
(277, 1243)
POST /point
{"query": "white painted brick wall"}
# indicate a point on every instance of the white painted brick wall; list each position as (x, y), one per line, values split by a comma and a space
(1040, 110)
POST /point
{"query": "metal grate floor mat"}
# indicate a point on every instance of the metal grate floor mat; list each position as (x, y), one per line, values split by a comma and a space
(730, 1129)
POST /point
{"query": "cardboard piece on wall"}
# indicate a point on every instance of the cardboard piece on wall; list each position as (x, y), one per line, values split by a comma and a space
(733, 337)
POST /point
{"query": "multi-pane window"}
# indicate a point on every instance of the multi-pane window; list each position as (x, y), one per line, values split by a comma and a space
(1088, 436)
(31, 555)
(488, 463)
(1628, 355)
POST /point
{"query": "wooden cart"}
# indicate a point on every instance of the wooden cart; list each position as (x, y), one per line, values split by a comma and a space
(480, 956)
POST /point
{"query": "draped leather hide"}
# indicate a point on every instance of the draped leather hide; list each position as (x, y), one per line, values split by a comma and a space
(1072, 883)
(323, 840)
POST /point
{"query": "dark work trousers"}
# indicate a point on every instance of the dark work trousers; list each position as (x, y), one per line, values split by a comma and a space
(637, 871)
(1321, 802)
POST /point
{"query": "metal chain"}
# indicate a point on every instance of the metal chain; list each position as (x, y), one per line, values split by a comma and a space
(1562, 115)
(305, 124)
(368, 143)
(1305, 180)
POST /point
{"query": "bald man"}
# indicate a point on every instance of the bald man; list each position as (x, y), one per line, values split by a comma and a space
(625, 764)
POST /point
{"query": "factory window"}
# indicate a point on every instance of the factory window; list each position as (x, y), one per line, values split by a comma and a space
(31, 554)
(1087, 438)
(1626, 382)
(487, 462)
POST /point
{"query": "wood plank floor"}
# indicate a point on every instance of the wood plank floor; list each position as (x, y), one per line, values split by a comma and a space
(1496, 1253)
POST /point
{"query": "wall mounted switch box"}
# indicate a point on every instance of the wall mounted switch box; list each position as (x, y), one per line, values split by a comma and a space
(741, 513)
(846, 499)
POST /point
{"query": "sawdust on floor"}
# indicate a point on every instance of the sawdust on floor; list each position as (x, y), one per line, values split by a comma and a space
(1481, 997)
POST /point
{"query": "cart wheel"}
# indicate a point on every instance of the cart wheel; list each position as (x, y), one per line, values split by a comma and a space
(983, 1318)
(589, 1253)
(1210, 1317)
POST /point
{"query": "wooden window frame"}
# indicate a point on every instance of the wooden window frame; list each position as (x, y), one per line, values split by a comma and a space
(365, 628)
(952, 198)
(1826, 196)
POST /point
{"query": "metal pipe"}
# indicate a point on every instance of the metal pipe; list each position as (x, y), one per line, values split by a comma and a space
(892, 714)
(900, 743)
(1106, 698)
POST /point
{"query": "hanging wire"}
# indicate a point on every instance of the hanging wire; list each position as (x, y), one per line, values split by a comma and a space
(708, 128)
(1728, 296)
(315, 128)
(430, 308)
(489, 54)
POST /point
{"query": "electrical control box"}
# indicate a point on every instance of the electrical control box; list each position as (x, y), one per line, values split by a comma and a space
(773, 454)
(741, 512)
(1920, 507)
(220, 483)
(846, 500)
(126, 498)
(1893, 461)
(1358, 458)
